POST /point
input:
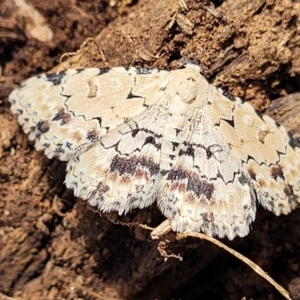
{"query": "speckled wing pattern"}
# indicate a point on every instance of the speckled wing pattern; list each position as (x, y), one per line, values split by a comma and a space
(135, 136)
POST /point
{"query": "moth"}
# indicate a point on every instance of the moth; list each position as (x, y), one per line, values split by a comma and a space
(132, 137)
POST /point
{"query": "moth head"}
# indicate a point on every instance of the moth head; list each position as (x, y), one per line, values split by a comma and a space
(188, 83)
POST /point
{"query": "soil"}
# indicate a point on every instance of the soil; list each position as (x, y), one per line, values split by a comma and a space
(52, 245)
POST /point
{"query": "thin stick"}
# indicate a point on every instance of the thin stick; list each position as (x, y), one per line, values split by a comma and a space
(247, 261)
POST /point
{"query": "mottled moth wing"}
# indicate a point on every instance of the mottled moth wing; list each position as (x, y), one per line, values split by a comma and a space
(231, 157)
(66, 112)
(122, 171)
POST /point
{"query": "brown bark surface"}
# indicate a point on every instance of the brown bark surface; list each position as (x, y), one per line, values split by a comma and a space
(52, 246)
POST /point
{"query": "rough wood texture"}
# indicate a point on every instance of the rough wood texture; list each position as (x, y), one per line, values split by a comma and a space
(51, 245)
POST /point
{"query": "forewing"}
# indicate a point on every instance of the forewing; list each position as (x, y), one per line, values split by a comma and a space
(66, 112)
(270, 156)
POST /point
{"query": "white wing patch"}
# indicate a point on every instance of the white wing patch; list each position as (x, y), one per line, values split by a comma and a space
(135, 136)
